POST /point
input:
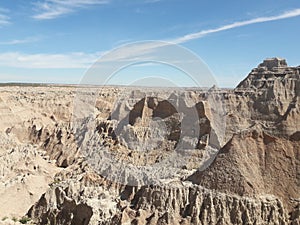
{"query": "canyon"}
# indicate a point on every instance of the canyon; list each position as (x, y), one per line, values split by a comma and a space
(76, 155)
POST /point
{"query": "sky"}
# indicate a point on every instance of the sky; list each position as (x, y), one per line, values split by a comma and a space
(57, 41)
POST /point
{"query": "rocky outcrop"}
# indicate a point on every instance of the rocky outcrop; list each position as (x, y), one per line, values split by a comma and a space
(192, 204)
(267, 136)
(269, 95)
(181, 203)
(58, 141)
(65, 210)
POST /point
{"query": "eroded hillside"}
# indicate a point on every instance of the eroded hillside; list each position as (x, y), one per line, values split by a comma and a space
(116, 155)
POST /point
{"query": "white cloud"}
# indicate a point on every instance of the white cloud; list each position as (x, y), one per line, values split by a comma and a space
(200, 34)
(48, 61)
(4, 18)
(20, 41)
(51, 9)
(140, 51)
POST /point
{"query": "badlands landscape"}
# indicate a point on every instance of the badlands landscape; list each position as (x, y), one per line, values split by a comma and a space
(78, 155)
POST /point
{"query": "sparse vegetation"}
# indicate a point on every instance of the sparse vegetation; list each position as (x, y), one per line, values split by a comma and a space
(24, 220)
(56, 181)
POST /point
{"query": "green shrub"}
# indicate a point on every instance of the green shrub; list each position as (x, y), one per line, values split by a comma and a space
(24, 220)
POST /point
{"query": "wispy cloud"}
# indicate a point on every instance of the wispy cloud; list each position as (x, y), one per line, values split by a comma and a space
(152, 1)
(48, 61)
(51, 9)
(20, 41)
(200, 34)
(4, 10)
(4, 18)
(142, 51)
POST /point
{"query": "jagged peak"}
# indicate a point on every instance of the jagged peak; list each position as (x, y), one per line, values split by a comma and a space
(270, 69)
(270, 63)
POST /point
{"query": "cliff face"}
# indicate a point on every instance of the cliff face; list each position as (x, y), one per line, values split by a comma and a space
(272, 96)
(157, 156)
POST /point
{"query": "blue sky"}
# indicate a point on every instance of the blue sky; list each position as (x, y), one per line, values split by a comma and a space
(56, 41)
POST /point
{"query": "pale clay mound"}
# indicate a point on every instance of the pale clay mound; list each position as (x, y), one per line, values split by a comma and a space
(116, 155)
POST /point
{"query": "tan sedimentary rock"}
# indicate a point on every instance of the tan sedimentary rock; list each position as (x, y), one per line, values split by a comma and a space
(47, 132)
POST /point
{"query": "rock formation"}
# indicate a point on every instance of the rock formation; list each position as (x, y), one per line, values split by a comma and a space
(116, 155)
